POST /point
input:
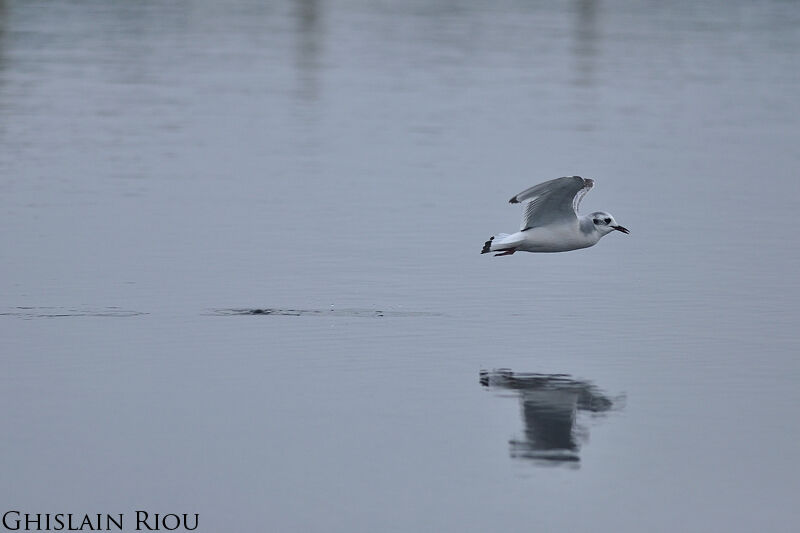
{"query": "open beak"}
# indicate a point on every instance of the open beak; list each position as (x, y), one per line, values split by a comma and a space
(620, 228)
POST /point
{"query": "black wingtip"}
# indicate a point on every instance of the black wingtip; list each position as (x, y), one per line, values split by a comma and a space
(487, 245)
(513, 201)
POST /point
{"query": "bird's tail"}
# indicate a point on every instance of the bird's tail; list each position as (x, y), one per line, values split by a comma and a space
(487, 246)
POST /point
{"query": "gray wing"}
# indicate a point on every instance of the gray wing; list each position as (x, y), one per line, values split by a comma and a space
(554, 201)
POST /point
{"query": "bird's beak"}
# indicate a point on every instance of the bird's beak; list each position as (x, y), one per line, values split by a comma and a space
(620, 228)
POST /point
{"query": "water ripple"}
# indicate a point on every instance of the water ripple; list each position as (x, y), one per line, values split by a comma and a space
(59, 312)
(357, 313)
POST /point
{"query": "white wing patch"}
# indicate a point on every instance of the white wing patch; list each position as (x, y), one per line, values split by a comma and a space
(588, 183)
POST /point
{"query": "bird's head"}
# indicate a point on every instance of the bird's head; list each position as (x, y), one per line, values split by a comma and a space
(605, 223)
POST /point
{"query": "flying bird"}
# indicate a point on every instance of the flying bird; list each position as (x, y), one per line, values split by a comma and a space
(551, 222)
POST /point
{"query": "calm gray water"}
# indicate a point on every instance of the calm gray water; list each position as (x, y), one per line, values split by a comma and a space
(241, 274)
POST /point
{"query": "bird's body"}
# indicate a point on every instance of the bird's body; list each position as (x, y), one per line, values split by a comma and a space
(552, 238)
(551, 222)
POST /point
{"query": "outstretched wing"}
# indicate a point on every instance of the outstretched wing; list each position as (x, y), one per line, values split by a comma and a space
(552, 202)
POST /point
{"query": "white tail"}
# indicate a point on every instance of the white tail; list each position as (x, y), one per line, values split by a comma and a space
(489, 246)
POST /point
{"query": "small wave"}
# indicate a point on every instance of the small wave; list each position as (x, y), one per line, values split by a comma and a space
(60, 312)
(357, 313)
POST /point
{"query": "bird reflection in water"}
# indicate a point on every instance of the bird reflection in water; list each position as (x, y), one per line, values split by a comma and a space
(550, 404)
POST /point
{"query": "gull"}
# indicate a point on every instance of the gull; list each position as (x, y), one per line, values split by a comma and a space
(551, 222)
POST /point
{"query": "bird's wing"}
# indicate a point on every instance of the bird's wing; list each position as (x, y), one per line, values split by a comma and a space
(554, 201)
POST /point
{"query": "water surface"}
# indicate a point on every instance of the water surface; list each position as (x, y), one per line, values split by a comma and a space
(169, 168)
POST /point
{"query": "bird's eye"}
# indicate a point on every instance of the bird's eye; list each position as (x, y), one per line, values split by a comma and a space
(596, 221)
(607, 220)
